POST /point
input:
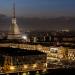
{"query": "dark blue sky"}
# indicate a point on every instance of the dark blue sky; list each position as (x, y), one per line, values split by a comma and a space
(40, 8)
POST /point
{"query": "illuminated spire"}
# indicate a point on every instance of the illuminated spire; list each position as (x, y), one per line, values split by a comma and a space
(14, 14)
(14, 28)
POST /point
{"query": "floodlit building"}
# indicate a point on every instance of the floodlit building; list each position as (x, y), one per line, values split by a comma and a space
(14, 31)
(23, 60)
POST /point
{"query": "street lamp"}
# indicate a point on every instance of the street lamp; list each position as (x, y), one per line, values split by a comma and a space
(24, 37)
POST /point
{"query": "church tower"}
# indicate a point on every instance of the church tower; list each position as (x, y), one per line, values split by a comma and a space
(14, 28)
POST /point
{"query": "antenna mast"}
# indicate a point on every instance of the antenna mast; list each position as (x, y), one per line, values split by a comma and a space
(14, 9)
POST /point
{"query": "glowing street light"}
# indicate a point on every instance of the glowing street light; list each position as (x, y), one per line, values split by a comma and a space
(12, 67)
(24, 74)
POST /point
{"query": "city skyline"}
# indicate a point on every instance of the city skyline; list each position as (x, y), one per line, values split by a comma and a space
(37, 37)
(39, 8)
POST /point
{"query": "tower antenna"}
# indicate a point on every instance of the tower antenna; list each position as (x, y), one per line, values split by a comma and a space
(14, 9)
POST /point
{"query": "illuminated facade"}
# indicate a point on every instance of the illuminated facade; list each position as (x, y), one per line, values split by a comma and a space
(71, 54)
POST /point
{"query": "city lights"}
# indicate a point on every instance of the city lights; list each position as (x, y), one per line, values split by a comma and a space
(34, 65)
(25, 66)
(46, 43)
(54, 50)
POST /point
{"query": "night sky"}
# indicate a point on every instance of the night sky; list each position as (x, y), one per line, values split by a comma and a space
(42, 9)
(39, 8)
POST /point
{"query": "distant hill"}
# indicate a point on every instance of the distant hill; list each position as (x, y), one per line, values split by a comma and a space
(48, 23)
(39, 23)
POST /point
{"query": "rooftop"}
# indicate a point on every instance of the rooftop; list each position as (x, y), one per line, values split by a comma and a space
(18, 52)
